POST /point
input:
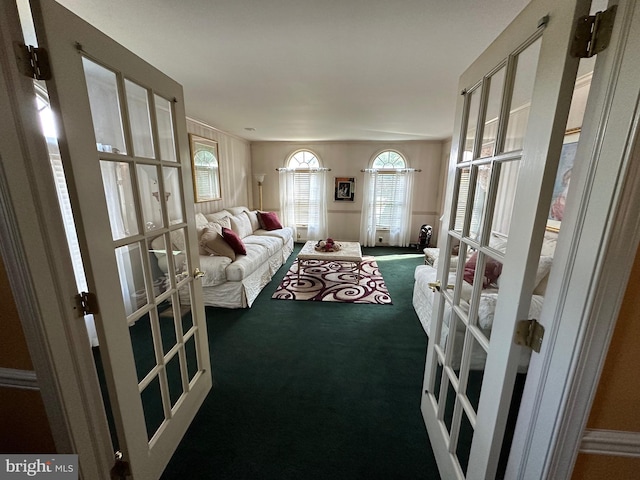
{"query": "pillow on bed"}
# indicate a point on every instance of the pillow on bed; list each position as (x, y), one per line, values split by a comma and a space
(492, 270)
(234, 241)
(214, 244)
(269, 220)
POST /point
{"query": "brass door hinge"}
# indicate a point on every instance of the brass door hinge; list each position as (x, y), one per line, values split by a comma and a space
(32, 61)
(593, 33)
(529, 333)
(87, 303)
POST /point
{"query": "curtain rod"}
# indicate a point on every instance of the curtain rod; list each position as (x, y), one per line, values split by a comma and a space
(390, 170)
(283, 169)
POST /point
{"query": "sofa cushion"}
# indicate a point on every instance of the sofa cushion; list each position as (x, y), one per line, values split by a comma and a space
(214, 244)
(245, 265)
(271, 244)
(241, 225)
(234, 241)
(269, 221)
(214, 268)
(284, 234)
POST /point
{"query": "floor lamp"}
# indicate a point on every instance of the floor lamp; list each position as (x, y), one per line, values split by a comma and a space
(260, 178)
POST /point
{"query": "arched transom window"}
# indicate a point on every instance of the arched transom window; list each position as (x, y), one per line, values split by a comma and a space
(304, 159)
(388, 160)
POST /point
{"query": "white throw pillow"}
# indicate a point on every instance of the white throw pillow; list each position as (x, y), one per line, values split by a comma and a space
(237, 210)
(253, 220)
(214, 217)
(201, 220)
(241, 225)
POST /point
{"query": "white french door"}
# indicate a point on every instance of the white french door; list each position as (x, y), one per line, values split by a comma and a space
(509, 127)
(123, 142)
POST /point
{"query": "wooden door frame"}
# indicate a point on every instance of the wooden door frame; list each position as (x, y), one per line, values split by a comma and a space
(591, 267)
(35, 252)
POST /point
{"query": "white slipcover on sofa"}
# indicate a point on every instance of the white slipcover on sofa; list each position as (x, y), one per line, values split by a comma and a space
(236, 283)
(423, 298)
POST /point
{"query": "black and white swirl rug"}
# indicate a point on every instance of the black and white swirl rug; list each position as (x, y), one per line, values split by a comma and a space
(334, 282)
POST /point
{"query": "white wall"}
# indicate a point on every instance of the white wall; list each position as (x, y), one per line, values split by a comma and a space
(346, 159)
(235, 168)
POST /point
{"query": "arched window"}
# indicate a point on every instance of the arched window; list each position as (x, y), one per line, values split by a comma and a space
(206, 169)
(387, 199)
(303, 193)
(386, 163)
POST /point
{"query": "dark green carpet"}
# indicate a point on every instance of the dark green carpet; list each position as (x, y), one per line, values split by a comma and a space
(314, 390)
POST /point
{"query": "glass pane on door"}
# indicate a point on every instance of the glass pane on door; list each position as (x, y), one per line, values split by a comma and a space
(152, 406)
(139, 120)
(505, 198)
(102, 85)
(463, 180)
(166, 140)
(131, 272)
(472, 124)
(118, 191)
(173, 193)
(480, 196)
(527, 63)
(150, 197)
(166, 319)
(174, 378)
(141, 332)
(494, 104)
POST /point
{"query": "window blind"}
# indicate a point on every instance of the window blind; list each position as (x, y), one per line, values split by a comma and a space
(386, 188)
(302, 195)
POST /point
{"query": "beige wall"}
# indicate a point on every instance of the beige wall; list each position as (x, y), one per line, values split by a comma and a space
(615, 406)
(235, 168)
(346, 159)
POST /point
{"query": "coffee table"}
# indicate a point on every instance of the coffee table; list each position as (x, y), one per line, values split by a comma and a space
(349, 252)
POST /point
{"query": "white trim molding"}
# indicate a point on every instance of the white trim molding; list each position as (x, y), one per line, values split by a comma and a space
(15, 378)
(611, 442)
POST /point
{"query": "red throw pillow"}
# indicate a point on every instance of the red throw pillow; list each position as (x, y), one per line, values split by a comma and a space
(234, 241)
(492, 270)
(269, 220)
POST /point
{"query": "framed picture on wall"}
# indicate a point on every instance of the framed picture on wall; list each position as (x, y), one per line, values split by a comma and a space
(345, 189)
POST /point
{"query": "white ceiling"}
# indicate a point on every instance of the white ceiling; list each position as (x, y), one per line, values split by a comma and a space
(310, 69)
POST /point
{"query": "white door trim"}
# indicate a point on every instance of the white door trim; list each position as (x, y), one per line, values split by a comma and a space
(596, 245)
(33, 246)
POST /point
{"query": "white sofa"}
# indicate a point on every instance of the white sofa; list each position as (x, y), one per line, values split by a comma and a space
(236, 283)
(423, 298)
